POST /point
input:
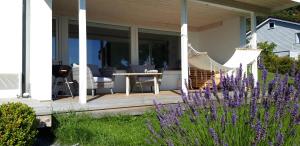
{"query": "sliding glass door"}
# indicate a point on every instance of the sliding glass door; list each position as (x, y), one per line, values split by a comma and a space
(107, 45)
(159, 48)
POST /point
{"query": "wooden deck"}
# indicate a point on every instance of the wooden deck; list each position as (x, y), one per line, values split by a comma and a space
(101, 104)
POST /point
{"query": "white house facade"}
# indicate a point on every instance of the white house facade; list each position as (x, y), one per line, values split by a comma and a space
(36, 34)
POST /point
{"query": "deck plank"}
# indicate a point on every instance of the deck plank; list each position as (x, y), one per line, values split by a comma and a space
(115, 102)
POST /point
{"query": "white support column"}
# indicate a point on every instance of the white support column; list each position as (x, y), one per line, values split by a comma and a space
(184, 46)
(134, 52)
(243, 42)
(40, 45)
(253, 43)
(82, 52)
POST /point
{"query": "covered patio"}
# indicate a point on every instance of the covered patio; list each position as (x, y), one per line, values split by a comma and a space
(132, 28)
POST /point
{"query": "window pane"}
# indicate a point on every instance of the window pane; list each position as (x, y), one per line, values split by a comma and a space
(159, 48)
(54, 48)
(106, 46)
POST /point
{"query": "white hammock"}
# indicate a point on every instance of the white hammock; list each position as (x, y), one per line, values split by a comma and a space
(242, 56)
(201, 60)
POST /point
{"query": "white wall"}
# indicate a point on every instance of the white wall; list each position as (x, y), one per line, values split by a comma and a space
(40, 45)
(219, 42)
(11, 43)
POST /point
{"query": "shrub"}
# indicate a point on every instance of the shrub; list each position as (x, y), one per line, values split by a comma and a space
(267, 49)
(246, 113)
(17, 124)
(274, 63)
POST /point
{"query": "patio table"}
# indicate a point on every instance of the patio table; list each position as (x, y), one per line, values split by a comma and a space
(127, 75)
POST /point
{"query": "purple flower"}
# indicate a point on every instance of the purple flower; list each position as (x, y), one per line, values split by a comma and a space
(266, 104)
(266, 118)
(213, 111)
(170, 142)
(157, 106)
(151, 129)
(223, 121)
(270, 143)
(258, 132)
(214, 85)
(264, 75)
(271, 87)
(179, 110)
(207, 92)
(279, 139)
(251, 81)
(295, 110)
(233, 118)
(214, 136)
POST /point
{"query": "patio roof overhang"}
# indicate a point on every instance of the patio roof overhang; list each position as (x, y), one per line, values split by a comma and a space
(163, 14)
(203, 14)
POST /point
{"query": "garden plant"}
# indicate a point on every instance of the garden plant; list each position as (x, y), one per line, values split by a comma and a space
(244, 113)
(17, 125)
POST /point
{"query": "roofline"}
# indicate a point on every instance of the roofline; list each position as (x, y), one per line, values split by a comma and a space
(276, 19)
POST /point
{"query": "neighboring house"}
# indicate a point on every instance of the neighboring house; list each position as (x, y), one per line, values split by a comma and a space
(35, 34)
(285, 34)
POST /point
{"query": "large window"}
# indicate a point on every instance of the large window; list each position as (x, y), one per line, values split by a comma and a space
(54, 40)
(107, 45)
(159, 48)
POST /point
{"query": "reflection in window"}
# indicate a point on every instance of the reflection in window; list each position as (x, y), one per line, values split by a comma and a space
(297, 38)
(106, 45)
(159, 48)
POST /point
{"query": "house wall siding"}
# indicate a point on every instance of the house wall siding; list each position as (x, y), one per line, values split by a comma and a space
(11, 48)
(283, 35)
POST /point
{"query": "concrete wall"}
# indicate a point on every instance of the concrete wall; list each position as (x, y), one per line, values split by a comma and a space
(219, 42)
(10, 46)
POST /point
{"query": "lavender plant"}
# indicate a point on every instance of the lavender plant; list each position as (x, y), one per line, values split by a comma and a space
(243, 113)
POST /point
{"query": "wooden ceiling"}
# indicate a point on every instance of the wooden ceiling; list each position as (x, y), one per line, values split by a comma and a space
(150, 13)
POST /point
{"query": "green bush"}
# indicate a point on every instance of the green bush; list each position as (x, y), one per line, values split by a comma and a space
(282, 64)
(17, 125)
(273, 63)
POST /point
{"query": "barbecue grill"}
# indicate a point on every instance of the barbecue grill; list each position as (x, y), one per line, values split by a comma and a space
(61, 74)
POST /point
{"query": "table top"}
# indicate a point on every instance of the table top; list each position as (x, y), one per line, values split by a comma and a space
(136, 74)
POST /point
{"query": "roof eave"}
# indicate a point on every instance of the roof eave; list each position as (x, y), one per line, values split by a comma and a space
(246, 7)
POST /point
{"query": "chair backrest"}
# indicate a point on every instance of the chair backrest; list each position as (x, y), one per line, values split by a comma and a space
(94, 70)
(90, 81)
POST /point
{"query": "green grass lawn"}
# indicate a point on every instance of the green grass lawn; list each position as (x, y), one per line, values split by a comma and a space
(87, 130)
(270, 77)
